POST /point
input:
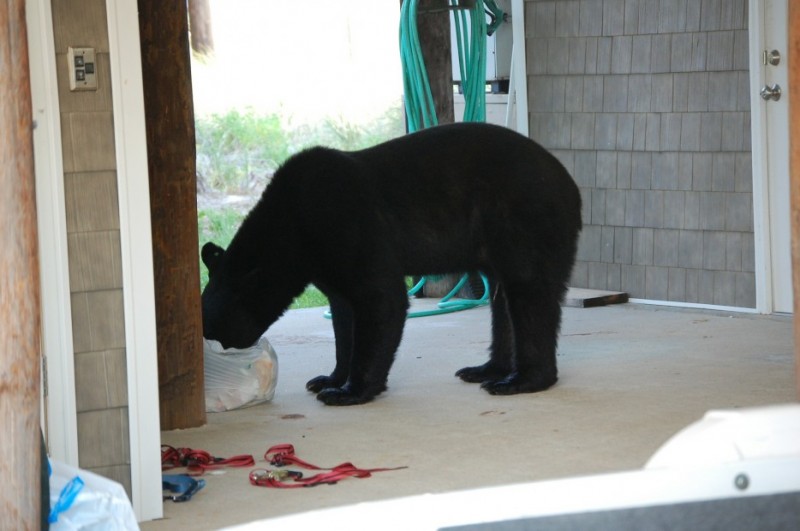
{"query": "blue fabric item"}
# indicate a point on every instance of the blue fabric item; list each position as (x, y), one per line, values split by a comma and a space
(183, 486)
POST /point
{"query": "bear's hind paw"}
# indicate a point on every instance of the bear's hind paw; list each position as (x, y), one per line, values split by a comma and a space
(346, 396)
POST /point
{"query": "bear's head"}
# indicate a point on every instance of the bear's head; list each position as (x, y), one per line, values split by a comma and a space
(232, 314)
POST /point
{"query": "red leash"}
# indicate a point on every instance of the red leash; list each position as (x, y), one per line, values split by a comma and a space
(283, 454)
(198, 461)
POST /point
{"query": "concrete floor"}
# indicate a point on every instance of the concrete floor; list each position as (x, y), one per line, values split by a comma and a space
(631, 376)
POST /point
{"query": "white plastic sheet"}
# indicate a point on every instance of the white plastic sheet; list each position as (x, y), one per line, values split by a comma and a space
(236, 378)
(100, 503)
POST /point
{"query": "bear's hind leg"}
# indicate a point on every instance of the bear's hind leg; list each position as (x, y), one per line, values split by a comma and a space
(379, 316)
(536, 317)
(342, 317)
(500, 362)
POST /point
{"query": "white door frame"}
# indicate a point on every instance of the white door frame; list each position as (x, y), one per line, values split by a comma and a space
(137, 257)
(60, 415)
(136, 247)
(766, 232)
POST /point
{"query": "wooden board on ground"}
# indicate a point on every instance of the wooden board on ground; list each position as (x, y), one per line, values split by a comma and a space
(590, 298)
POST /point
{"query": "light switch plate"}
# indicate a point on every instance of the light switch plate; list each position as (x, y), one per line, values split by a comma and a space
(82, 69)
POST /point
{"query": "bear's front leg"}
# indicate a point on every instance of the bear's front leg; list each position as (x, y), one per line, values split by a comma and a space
(378, 327)
(342, 317)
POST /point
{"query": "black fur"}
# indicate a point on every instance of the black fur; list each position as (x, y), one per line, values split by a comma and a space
(449, 199)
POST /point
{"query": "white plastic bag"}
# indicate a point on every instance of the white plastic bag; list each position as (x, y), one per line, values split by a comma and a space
(99, 502)
(238, 378)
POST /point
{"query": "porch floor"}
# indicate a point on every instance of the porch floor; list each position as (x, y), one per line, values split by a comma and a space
(631, 376)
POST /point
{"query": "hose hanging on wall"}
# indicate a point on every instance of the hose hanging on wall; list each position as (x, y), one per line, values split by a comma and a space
(471, 31)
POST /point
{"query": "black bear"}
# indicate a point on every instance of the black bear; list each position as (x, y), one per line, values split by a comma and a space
(453, 198)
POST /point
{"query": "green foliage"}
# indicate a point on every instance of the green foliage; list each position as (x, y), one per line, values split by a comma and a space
(237, 153)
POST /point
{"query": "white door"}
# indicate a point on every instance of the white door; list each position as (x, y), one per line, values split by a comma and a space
(770, 122)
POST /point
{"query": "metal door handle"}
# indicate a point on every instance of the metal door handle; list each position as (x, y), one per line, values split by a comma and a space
(771, 93)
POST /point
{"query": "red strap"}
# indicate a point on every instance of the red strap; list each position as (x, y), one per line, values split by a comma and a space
(283, 454)
(198, 461)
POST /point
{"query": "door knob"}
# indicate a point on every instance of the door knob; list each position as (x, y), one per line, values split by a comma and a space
(771, 93)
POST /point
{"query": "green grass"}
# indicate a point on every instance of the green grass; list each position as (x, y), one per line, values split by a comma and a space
(238, 152)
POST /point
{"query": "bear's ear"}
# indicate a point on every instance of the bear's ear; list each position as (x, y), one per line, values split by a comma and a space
(212, 255)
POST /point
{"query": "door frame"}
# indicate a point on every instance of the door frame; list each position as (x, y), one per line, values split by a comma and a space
(764, 230)
(136, 247)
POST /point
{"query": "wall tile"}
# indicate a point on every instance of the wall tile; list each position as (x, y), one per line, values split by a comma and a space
(714, 250)
(710, 15)
(582, 136)
(680, 92)
(606, 246)
(724, 288)
(585, 168)
(614, 277)
(665, 169)
(666, 247)
(739, 212)
(91, 201)
(652, 140)
(733, 14)
(83, 25)
(698, 90)
(720, 51)
(605, 131)
(557, 55)
(699, 52)
(633, 280)
(711, 131)
(568, 18)
(712, 211)
(606, 169)
(639, 131)
(580, 275)
(94, 260)
(577, 56)
(94, 151)
(642, 248)
(640, 88)
(641, 170)
(701, 171)
(681, 53)
(692, 283)
(691, 211)
(674, 209)
(624, 132)
(621, 55)
(743, 172)
(103, 438)
(623, 245)
(723, 172)
(641, 52)
(662, 93)
(631, 15)
(676, 290)
(542, 18)
(661, 54)
(623, 170)
(613, 17)
(693, 15)
(604, 55)
(615, 207)
(589, 249)
(593, 94)
(591, 18)
(598, 207)
(598, 275)
(657, 283)
(722, 87)
(745, 290)
(733, 131)
(670, 131)
(535, 55)
(690, 249)
(634, 208)
(654, 209)
(83, 101)
(648, 16)
(733, 251)
(573, 94)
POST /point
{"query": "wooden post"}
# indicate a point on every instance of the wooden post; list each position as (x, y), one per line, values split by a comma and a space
(20, 458)
(169, 115)
(794, 172)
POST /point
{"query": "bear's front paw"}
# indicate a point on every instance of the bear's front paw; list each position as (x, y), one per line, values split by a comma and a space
(517, 383)
(483, 373)
(315, 385)
(347, 395)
